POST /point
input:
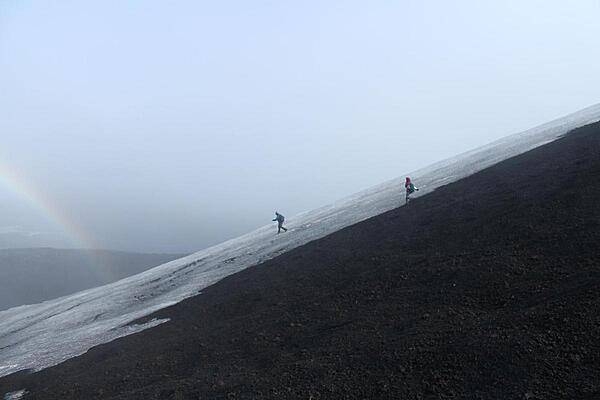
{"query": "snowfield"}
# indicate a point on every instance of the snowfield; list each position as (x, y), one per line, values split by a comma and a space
(41, 335)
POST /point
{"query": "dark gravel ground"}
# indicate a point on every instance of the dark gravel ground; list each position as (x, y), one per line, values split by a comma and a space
(487, 288)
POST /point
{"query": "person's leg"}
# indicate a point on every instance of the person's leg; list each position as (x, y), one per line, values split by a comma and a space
(280, 227)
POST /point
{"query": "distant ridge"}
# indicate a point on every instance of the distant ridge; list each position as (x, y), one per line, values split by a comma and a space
(33, 275)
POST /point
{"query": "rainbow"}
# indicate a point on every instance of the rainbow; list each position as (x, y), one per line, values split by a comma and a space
(16, 183)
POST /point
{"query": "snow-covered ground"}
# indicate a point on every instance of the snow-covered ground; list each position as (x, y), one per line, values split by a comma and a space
(41, 335)
(15, 395)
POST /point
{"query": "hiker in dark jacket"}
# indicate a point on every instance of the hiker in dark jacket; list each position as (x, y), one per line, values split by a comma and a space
(279, 218)
(410, 188)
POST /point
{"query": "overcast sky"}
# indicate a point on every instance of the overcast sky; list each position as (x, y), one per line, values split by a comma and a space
(167, 126)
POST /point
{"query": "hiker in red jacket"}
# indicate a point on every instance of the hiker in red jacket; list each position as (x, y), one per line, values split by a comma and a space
(410, 188)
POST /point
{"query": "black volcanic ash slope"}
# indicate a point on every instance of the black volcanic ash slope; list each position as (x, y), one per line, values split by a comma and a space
(487, 288)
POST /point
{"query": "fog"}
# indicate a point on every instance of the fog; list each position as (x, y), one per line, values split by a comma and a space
(170, 126)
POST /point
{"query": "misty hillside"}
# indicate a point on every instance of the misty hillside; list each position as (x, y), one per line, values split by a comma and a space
(486, 288)
(32, 275)
(41, 335)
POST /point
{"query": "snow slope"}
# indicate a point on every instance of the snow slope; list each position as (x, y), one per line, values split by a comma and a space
(41, 335)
